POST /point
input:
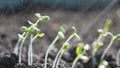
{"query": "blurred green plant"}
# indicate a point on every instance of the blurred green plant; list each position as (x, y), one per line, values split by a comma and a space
(34, 32)
(98, 43)
(65, 47)
(81, 50)
(60, 35)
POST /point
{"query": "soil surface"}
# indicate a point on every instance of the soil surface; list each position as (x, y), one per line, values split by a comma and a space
(10, 26)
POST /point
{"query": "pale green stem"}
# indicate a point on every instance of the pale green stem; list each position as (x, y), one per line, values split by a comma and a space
(70, 38)
(20, 52)
(108, 47)
(93, 52)
(49, 48)
(56, 58)
(30, 51)
(16, 49)
(59, 58)
(30, 55)
(74, 62)
(117, 58)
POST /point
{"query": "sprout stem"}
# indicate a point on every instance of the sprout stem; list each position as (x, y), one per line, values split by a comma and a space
(20, 55)
(70, 38)
(117, 58)
(16, 49)
(49, 48)
(30, 55)
(59, 54)
(74, 62)
(56, 58)
(58, 61)
(110, 44)
(93, 51)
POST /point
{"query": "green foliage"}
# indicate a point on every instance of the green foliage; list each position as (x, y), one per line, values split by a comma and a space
(79, 49)
(75, 33)
(34, 32)
(118, 36)
(107, 25)
(65, 47)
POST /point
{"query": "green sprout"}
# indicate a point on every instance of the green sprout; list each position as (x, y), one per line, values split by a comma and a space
(31, 30)
(30, 51)
(98, 43)
(110, 44)
(113, 38)
(65, 47)
(60, 35)
(81, 51)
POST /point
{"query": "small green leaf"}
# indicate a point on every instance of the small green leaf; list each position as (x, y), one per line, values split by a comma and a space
(65, 46)
(97, 46)
(21, 36)
(41, 35)
(107, 25)
(118, 36)
(25, 29)
(45, 18)
(61, 35)
(74, 30)
(62, 30)
(77, 36)
(79, 49)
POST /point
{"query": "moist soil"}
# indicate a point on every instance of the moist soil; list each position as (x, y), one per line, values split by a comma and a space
(11, 61)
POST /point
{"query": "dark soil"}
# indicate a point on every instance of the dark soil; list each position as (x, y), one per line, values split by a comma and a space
(11, 61)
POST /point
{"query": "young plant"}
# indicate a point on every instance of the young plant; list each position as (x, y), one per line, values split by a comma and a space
(34, 34)
(99, 41)
(81, 51)
(64, 47)
(60, 35)
(27, 31)
(110, 44)
(113, 38)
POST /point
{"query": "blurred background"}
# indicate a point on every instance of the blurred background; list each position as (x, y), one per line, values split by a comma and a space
(86, 15)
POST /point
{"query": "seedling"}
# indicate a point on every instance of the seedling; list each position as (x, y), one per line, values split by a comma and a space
(99, 41)
(30, 53)
(31, 30)
(81, 51)
(65, 47)
(110, 44)
(113, 38)
(60, 35)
